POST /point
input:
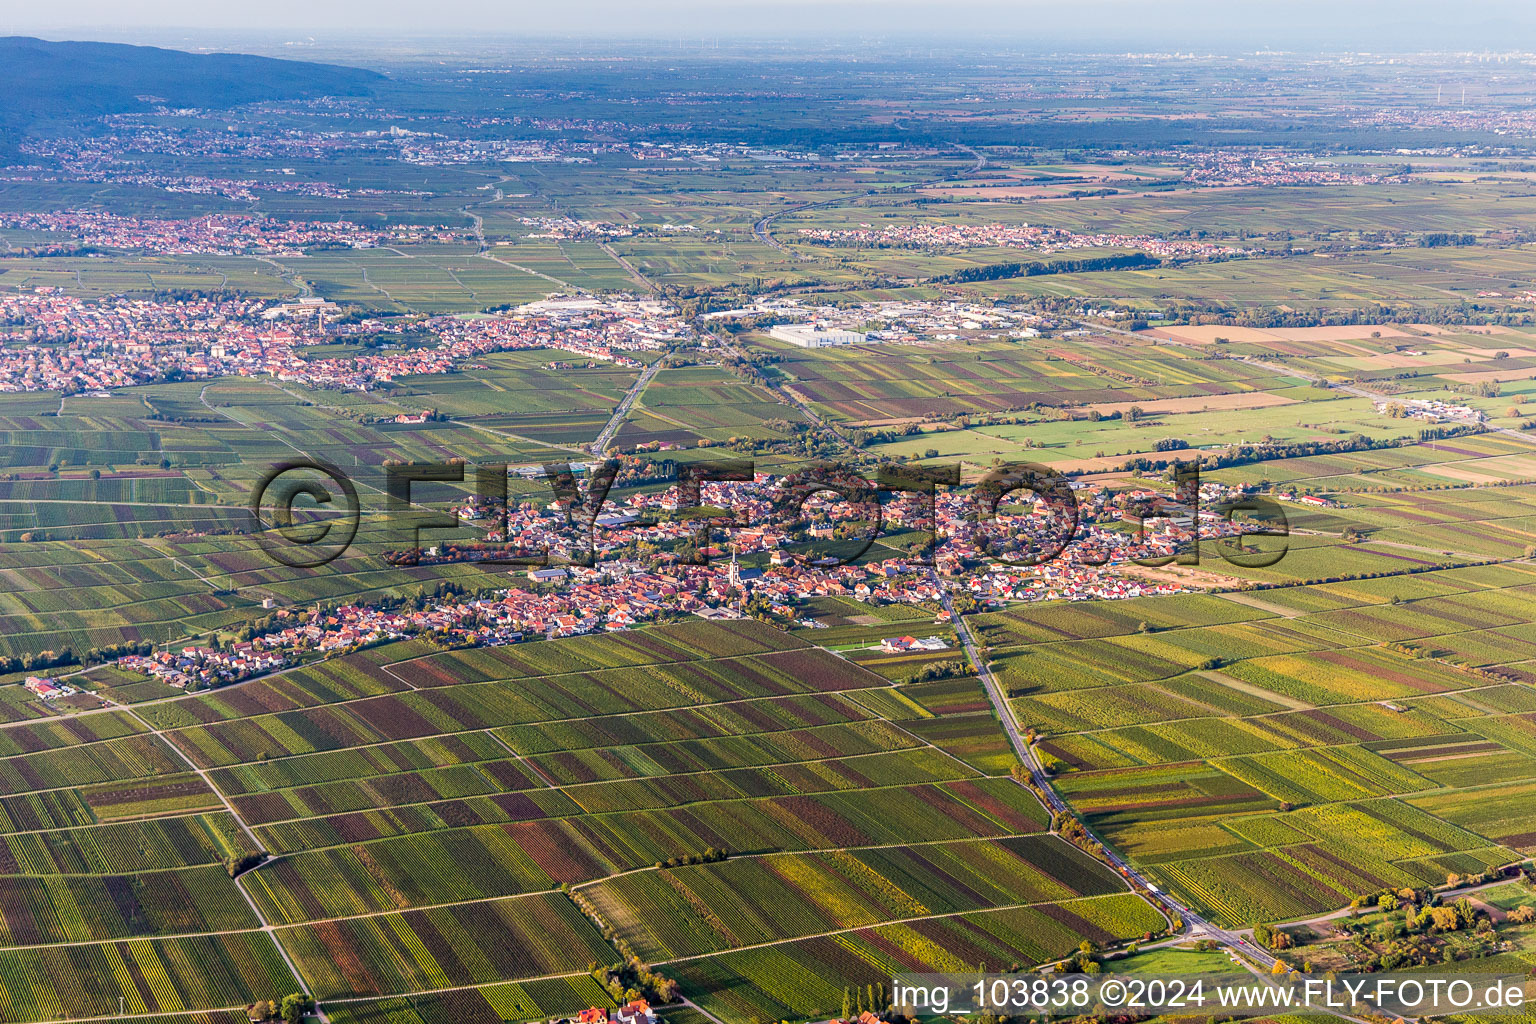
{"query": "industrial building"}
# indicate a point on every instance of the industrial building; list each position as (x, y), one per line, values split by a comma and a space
(815, 336)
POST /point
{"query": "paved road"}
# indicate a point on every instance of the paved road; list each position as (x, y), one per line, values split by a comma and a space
(484, 248)
(1198, 927)
(617, 419)
(787, 397)
(288, 274)
(1252, 956)
(1246, 952)
(529, 270)
(689, 1002)
(629, 268)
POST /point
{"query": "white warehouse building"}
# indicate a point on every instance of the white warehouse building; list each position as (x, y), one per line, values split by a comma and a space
(815, 336)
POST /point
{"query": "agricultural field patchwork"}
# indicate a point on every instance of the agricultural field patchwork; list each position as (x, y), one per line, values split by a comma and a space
(1389, 746)
(551, 728)
(474, 822)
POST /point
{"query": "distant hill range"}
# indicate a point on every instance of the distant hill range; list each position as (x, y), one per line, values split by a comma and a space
(46, 81)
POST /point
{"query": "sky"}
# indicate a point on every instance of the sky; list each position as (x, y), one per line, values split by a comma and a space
(1086, 25)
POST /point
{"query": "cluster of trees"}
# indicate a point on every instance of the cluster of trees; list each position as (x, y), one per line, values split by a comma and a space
(1005, 271)
(1420, 912)
(290, 1010)
(431, 416)
(1441, 239)
(404, 338)
(468, 552)
(709, 856)
(40, 660)
(806, 442)
(1082, 961)
(181, 419)
(1453, 880)
(748, 324)
(258, 627)
(1243, 454)
(784, 426)
(1072, 830)
(886, 435)
(189, 294)
(1439, 433)
(1411, 571)
(870, 999)
(966, 604)
(1405, 933)
(111, 652)
(760, 606)
(423, 599)
(1195, 311)
(1272, 938)
(939, 670)
(633, 979)
(239, 865)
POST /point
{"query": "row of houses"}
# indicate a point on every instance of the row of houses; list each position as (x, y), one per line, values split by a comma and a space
(950, 236)
(119, 342)
(205, 667)
(636, 1011)
(212, 235)
(621, 592)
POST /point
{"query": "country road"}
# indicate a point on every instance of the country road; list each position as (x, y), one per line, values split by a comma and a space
(266, 925)
(788, 397)
(629, 268)
(1197, 926)
(483, 247)
(617, 419)
(1241, 947)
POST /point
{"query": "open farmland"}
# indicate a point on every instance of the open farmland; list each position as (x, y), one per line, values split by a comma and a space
(1263, 788)
(124, 519)
(473, 822)
(554, 729)
(894, 384)
(798, 978)
(683, 405)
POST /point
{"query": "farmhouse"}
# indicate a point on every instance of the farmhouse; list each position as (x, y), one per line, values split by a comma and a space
(43, 687)
(898, 644)
(635, 1012)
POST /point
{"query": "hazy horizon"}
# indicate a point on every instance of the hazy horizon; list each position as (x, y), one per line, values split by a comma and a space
(1098, 25)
